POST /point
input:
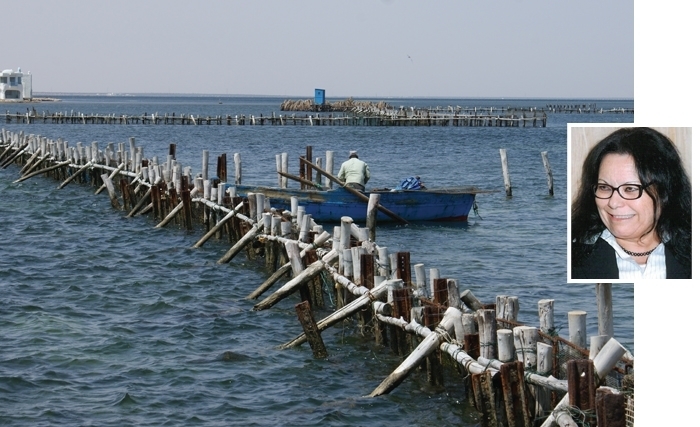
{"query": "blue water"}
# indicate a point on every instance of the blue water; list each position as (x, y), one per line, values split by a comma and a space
(105, 320)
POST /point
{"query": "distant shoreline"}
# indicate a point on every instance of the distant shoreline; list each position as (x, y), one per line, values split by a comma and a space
(28, 101)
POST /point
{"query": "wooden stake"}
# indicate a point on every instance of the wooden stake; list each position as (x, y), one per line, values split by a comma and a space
(506, 174)
(513, 384)
(313, 336)
(548, 172)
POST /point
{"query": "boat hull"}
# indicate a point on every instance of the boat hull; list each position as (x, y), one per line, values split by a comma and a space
(449, 204)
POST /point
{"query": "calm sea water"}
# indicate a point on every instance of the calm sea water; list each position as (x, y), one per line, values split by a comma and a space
(105, 320)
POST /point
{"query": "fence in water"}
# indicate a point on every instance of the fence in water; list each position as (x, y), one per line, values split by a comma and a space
(514, 374)
(424, 118)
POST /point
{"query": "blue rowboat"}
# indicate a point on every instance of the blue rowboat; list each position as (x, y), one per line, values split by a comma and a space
(443, 204)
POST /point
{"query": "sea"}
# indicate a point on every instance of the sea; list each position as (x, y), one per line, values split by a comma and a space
(109, 321)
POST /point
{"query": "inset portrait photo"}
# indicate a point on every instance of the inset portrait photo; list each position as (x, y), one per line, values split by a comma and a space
(630, 207)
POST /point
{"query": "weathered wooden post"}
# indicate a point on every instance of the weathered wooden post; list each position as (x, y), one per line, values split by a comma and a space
(205, 164)
(526, 338)
(420, 289)
(610, 408)
(545, 308)
(487, 333)
(548, 172)
(506, 174)
(597, 343)
(404, 267)
(278, 163)
(507, 307)
(514, 400)
(582, 384)
(284, 167)
(506, 345)
(426, 347)
(313, 336)
(577, 327)
(237, 165)
(545, 361)
(603, 293)
(485, 399)
(604, 362)
(440, 295)
(372, 215)
(110, 189)
(329, 169)
(470, 300)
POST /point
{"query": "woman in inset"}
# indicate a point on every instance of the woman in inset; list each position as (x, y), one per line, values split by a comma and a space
(632, 216)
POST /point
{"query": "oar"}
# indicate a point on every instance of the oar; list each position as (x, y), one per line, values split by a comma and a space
(353, 191)
(296, 178)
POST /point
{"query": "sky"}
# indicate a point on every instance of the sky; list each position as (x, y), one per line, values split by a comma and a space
(358, 48)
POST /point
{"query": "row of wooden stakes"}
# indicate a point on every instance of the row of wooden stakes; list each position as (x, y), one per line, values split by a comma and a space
(514, 372)
(360, 118)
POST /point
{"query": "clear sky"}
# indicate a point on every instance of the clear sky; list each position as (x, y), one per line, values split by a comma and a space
(359, 48)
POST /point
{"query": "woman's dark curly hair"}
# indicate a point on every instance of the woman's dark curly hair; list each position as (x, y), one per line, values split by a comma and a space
(658, 164)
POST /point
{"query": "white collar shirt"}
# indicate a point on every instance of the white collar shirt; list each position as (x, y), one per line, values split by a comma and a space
(655, 268)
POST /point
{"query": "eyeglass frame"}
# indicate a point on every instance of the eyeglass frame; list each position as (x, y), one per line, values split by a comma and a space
(614, 189)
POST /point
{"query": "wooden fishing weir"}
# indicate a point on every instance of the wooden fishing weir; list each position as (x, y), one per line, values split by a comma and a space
(513, 374)
(585, 109)
(356, 118)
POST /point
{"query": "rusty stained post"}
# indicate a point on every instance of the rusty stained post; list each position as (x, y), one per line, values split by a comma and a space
(514, 397)
(582, 384)
(610, 408)
(313, 336)
(485, 399)
(404, 267)
(401, 309)
(186, 201)
(302, 173)
(309, 171)
(440, 293)
(126, 197)
(366, 280)
(221, 171)
(315, 285)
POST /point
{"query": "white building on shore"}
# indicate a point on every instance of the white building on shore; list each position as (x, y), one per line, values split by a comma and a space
(15, 85)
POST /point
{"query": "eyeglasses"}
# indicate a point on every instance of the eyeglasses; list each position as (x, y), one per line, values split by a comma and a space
(626, 191)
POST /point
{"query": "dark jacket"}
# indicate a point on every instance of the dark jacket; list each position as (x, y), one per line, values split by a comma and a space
(602, 264)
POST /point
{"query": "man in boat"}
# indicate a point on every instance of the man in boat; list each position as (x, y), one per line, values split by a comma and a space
(354, 172)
